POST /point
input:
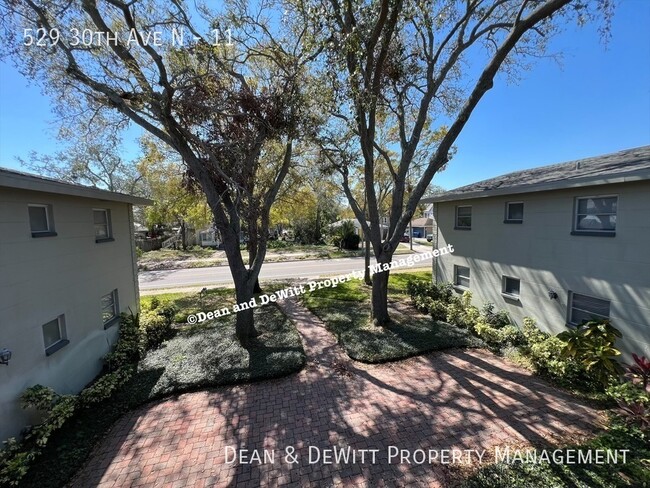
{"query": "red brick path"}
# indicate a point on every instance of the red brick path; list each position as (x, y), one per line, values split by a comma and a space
(459, 399)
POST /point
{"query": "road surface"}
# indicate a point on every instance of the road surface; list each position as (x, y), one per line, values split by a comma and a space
(220, 275)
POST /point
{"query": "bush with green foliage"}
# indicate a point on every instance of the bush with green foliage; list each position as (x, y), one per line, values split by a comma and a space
(120, 364)
(15, 459)
(156, 326)
(592, 344)
(106, 385)
(495, 319)
(545, 353)
(278, 244)
(345, 236)
(130, 346)
(17, 456)
(442, 292)
(627, 392)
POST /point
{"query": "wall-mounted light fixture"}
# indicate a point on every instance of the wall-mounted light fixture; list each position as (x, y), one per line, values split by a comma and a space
(5, 356)
(552, 295)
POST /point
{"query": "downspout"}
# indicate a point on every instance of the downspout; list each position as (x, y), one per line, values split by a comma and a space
(134, 260)
(434, 261)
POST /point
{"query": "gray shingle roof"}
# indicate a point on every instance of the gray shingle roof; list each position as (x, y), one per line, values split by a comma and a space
(630, 164)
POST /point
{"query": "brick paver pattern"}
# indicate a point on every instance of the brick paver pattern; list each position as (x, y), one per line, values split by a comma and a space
(460, 399)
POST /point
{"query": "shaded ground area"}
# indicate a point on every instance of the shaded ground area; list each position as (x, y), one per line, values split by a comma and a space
(456, 399)
(345, 311)
(199, 356)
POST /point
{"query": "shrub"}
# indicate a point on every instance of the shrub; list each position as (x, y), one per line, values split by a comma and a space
(640, 370)
(495, 319)
(505, 336)
(156, 326)
(16, 457)
(438, 310)
(627, 392)
(106, 385)
(455, 312)
(545, 353)
(138, 252)
(592, 344)
(636, 414)
(472, 313)
(532, 334)
(15, 460)
(130, 345)
(351, 241)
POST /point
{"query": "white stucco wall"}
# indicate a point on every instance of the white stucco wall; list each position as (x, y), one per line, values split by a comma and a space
(42, 278)
(543, 254)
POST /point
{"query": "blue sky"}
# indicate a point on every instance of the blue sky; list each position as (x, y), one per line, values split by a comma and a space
(598, 102)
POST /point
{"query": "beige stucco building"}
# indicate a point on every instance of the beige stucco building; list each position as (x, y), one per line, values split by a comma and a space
(560, 243)
(67, 269)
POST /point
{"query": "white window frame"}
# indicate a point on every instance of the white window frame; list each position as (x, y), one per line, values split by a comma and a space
(593, 231)
(508, 219)
(503, 287)
(63, 339)
(116, 308)
(109, 226)
(571, 307)
(48, 218)
(468, 227)
(468, 277)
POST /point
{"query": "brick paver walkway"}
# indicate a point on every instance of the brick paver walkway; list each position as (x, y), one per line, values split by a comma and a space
(461, 399)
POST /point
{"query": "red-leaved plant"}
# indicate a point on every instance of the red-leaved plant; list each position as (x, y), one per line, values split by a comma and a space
(636, 413)
(640, 370)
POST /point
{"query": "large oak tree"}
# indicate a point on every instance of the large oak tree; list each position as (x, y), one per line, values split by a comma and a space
(420, 68)
(233, 86)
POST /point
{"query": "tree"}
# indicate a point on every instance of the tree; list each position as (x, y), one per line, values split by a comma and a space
(421, 68)
(89, 159)
(220, 100)
(173, 200)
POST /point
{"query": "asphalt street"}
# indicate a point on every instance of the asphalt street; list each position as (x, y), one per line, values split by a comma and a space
(220, 275)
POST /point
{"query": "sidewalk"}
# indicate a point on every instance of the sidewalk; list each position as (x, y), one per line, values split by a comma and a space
(460, 399)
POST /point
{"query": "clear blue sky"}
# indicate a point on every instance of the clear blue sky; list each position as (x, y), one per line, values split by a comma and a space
(598, 102)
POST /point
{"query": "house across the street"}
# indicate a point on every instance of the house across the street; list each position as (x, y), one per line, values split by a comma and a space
(67, 270)
(561, 243)
(422, 226)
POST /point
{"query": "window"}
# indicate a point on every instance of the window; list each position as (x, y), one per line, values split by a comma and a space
(110, 308)
(514, 212)
(464, 217)
(584, 308)
(511, 287)
(40, 220)
(54, 336)
(102, 225)
(595, 216)
(461, 276)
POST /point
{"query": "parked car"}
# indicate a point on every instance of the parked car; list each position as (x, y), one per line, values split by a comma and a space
(429, 237)
(405, 238)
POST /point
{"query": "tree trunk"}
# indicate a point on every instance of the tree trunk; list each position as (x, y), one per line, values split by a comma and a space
(183, 236)
(366, 272)
(245, 323)
(380, 315)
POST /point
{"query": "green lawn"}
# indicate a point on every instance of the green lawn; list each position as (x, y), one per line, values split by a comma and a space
(345, 309)
(198, 357)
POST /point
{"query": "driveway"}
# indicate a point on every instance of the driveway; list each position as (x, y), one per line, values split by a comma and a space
(462, 401)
